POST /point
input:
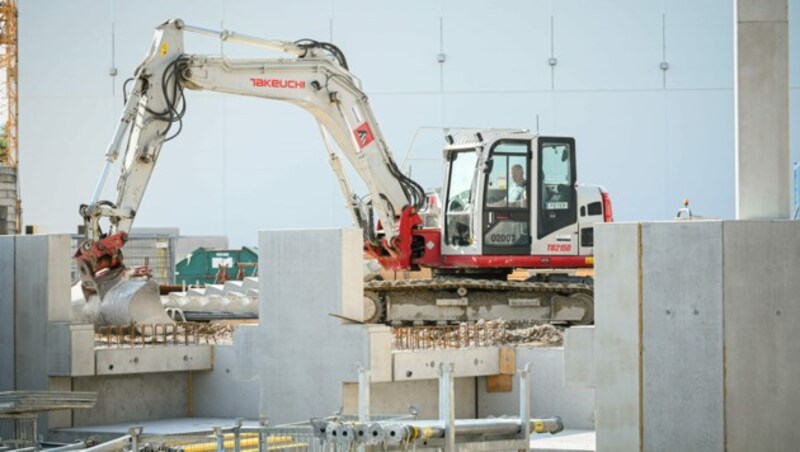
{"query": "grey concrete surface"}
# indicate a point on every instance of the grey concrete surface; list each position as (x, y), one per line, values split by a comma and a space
(548, 394)
(616, 346)
(42, 292)
(396, 397)
(424, 364)
(141, 360)
(569, 440)
(763, 184)
(133, 398)
(71, 349)
(222, 392)
(682, 359)
(761, 318)
(579, 357)
(7, 316)
(303, 354)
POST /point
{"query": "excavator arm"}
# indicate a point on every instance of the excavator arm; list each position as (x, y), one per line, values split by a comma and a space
(315, 78)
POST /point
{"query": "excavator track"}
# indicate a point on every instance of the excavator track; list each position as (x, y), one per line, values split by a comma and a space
(450, 300)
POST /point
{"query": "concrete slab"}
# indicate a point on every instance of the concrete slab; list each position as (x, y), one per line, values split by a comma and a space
(762, 360)
(7, 316)
(682, 359)
(617, 341)
(548, 395)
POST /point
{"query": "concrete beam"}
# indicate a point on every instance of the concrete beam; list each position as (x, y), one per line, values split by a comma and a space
(424, 364)
(122, 361)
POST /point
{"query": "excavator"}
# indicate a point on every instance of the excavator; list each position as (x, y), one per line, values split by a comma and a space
(510, 198)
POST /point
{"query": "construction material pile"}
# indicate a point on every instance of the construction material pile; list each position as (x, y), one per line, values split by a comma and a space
(479, 334)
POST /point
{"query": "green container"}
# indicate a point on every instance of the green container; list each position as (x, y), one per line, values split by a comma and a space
(202, 265)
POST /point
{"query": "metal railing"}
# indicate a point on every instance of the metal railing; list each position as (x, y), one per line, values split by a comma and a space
(236, 438)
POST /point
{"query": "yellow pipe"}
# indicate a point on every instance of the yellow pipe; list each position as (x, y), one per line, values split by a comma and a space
(249, 441)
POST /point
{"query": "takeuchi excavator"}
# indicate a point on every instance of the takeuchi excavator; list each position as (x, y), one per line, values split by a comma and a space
(510, 198)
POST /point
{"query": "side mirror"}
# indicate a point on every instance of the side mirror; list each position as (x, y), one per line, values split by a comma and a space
(565, 154)
(487, 167)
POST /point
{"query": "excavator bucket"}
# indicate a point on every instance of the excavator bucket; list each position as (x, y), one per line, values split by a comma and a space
(132, 302)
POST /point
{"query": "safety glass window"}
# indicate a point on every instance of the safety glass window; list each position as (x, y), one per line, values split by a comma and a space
(458, 218)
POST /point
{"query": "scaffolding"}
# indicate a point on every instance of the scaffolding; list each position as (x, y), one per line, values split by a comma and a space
(8, 81)
(10, 202)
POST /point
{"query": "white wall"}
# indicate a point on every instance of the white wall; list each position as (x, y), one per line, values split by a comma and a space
(241, 165)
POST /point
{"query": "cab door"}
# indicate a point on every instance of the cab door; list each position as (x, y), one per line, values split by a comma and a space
(506, 199)
(556, 204)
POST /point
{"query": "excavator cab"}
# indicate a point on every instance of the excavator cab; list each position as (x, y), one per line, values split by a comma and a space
(513, 194)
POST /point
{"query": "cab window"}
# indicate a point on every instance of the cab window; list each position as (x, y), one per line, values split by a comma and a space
(460, 198)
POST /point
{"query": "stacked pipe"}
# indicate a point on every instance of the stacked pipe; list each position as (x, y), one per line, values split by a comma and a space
(404, 432)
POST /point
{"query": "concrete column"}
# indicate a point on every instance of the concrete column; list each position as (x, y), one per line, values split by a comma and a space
(763, 169)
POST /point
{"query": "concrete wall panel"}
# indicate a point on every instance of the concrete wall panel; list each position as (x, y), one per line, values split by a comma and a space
(617, 339)
(579, 357)
(7, 329)
(42, 291)
(396, 397)
(682, 360)
(220, 393)
(304, 353)
(42, 294)
(762, 350)
(130, 398)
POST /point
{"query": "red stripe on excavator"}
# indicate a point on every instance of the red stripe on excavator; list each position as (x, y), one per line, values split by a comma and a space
(517, 262)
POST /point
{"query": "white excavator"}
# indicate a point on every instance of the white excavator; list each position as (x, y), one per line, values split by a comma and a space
(510, 198)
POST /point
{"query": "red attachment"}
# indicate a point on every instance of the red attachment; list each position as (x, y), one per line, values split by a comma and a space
(397, 255)
(608, 213)
(103, 254)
